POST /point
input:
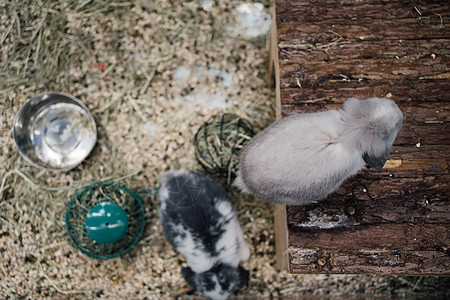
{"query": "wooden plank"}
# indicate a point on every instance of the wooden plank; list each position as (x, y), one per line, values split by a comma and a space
(409, 89)
(429, 237)
(361, 49)
(413, 110)
(280, 221)
(293, 3)
(281, 237)
(310, 11)
(274, 62)
(374, 261)
(363, 71)
(394, 220)
(424, 134)
(337, 235)
(362, 201)
(410, 151)
(406, 249)
(369, 30)
(371, 219)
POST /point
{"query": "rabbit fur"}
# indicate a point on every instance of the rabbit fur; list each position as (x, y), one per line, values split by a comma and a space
(303, 158)
(199, 221)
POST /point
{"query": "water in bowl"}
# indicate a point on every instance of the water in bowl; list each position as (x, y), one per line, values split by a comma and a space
(62, 134)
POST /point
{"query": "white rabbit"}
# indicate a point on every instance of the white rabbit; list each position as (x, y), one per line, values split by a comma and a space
(199, 221)
(302, 158)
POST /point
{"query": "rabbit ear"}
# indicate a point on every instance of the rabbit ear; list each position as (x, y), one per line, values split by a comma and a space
(189, 276)
(244, 276)
(351, 104)
(376, 161)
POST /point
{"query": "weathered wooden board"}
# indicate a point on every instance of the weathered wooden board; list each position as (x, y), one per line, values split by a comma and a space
(321, 10)
(357, 49)
(377, 261)
(375, 223)
(360, 201)
(361, 71)
(403, 89)
(390, 221)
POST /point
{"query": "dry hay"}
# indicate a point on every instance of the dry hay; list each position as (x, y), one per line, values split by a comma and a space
(219, 142)
(119, 58)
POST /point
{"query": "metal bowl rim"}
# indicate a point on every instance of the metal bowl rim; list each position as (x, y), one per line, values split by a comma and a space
(20, 112)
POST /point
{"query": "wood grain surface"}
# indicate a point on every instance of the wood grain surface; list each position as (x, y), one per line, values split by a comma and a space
(390, 221)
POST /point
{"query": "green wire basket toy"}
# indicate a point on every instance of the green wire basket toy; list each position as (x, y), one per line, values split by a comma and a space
(219, 143)
(105, 220)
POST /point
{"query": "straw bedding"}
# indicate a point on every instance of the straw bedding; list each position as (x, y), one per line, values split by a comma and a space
(151, 72)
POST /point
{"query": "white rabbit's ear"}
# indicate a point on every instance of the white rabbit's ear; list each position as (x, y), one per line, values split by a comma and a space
(350, 104)
(376, 161)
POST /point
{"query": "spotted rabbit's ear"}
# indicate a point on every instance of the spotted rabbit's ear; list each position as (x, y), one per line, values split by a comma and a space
(376, 161)
(189, 276)
(244, 276)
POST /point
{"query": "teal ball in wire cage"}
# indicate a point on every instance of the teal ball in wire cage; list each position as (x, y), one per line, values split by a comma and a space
(219, 143)
(105, 220)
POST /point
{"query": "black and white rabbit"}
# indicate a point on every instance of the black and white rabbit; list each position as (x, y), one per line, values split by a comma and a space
(199, 221)
(302, 158)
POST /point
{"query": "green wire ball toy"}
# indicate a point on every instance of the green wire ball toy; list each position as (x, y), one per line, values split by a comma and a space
(105, 220)
(219, 143)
